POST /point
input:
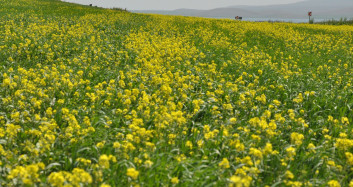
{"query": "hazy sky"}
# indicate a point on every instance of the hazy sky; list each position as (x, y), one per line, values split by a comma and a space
(175, 4)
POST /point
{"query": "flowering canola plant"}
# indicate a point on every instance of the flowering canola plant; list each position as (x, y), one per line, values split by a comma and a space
(99, 97)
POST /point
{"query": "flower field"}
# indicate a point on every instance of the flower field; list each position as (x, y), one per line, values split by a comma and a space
(99, 97)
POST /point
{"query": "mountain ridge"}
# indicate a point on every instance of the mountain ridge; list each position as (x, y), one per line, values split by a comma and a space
(326, 9)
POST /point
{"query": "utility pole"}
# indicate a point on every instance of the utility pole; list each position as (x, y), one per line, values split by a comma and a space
(310, 14)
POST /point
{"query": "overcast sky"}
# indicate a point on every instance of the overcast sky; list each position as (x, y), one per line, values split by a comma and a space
(176, 4)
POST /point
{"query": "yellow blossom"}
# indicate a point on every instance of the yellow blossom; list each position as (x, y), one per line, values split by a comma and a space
(224, 164)
(175, 180)
(133, 173)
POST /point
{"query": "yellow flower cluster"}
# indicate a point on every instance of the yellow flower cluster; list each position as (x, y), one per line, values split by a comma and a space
(78, 177)
(131, 172)
(27, 175)
(101, 97)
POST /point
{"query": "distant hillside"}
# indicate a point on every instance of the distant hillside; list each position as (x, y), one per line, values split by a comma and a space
(320, 8)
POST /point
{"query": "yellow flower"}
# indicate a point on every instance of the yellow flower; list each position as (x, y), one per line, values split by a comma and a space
(133, 173)
(175, 180)
(116, 145)
(148, 163)
(224, 164)
(188, 144)
(236, 181)
(344, 143)
(276, 102)
(299, 98)
(56, 179)
(289, 175)
(333, 183)
(232, 120)
(349, 157)
(331, 163)
(345, 120)
(104, 161)
(256, 152)
(83, 176)
(291, 152)
(261, 98)
(267, 149)
(100, 144)
(297, 138)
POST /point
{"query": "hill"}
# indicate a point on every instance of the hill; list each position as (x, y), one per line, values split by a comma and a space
(321, 9)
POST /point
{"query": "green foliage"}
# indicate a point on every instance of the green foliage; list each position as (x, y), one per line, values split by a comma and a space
(92, 96)
(341, 21)
(311, 21)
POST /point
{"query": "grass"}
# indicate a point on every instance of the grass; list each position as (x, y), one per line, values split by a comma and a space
(341, 21)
